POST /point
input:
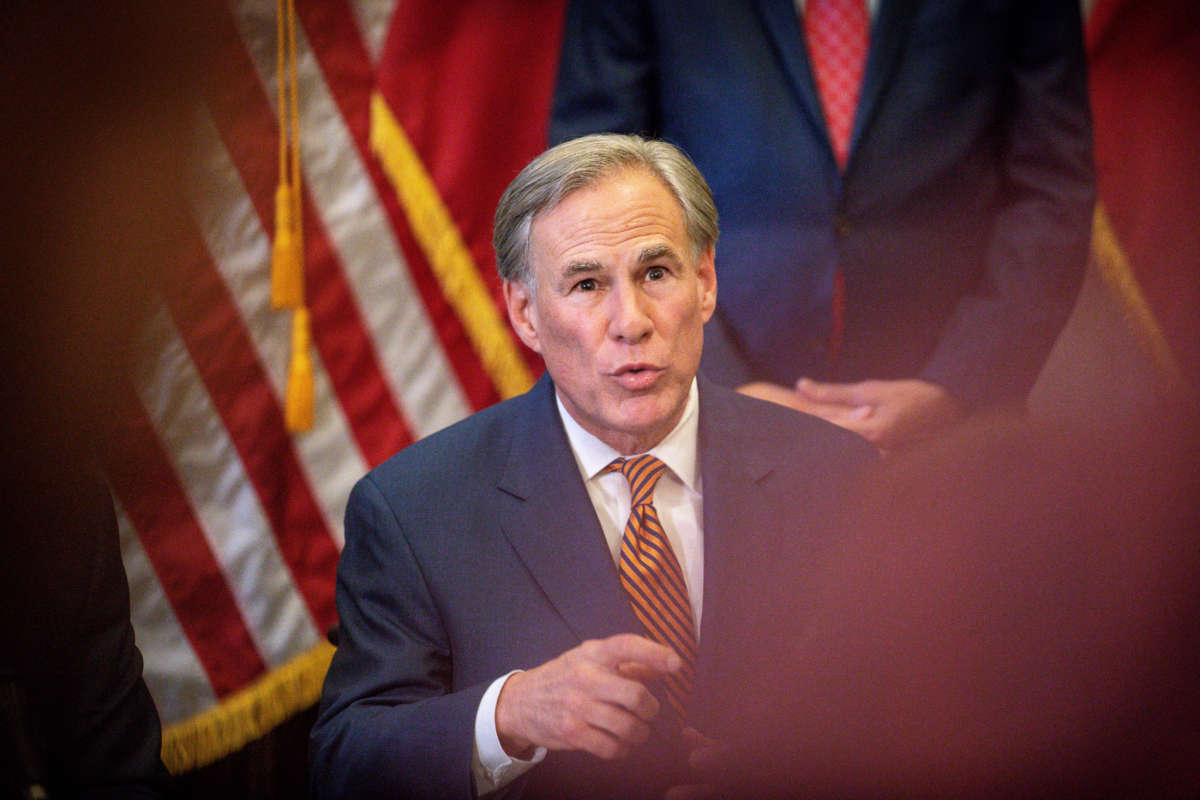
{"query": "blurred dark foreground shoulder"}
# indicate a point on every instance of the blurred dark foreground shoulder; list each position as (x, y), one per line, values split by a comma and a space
(1012, 610)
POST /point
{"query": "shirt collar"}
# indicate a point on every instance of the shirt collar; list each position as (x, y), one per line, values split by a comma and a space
(677, 449)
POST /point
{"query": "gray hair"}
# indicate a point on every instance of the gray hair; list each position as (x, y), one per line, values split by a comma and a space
(582, 163)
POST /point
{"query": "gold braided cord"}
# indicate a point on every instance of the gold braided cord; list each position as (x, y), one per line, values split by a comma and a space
(297, 215)
(279, 68)
(449, 258)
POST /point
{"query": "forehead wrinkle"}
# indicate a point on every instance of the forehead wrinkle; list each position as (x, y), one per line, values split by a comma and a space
(582, 236)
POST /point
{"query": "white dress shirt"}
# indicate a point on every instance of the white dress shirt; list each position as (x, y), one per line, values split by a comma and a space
(678, 500)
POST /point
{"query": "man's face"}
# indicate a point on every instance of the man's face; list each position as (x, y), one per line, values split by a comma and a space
(619, 307)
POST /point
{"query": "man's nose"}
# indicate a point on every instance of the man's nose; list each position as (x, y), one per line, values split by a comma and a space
(628, 317)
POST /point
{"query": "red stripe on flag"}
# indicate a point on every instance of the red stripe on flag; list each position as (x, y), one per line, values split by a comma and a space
(472, 85)
(248, 129)
(221, 349)
(144, 481)
(337, 43)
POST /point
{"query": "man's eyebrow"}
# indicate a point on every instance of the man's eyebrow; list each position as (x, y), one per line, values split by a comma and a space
(580, 267)
(657, 253)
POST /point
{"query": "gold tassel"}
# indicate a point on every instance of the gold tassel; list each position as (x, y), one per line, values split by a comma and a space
(287, 260)
(298, 404)
(287, 251)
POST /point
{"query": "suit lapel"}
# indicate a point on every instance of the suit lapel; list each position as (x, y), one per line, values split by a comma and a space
(784, 29)
(549, 520)
(889, 32)
(734, 471)
(547, 516)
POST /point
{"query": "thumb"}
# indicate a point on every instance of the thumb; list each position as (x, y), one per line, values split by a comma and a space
(822, 392)
(627, 651)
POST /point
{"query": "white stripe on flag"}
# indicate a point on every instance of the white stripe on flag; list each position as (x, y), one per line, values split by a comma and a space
(174, 675)
(374, 19)
(226, 504)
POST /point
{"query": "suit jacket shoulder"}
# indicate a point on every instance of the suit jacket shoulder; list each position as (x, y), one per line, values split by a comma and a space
(454, 457)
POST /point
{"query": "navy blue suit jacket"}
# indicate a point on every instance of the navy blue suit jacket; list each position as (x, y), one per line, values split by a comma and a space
(961, 223)
(477, 551)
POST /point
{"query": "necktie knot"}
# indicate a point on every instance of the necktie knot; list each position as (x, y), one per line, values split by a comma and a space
(643, 473)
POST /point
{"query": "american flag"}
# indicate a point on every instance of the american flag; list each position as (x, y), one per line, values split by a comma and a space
(413, 118)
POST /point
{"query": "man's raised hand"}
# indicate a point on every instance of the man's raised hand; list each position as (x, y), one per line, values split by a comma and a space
(591, 698)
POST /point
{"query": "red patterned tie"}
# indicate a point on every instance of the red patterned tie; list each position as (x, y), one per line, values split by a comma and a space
(838, 33)
(651, 576)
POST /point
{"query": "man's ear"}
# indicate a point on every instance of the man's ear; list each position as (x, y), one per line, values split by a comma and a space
(522, 313)
(706, 271)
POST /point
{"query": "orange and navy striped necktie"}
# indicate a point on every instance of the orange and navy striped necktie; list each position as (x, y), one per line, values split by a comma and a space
(651, 576)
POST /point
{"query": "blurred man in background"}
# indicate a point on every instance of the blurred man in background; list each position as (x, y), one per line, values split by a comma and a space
(906, 187)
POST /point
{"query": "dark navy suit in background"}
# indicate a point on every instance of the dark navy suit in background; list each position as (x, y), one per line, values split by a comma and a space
(962, 220)
(75, 714)
(477, 551)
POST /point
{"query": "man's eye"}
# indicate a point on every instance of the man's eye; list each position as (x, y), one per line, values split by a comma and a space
(655, 274)
(587, 285)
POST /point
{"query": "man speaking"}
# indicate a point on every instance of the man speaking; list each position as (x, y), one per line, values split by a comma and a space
(554, 597)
